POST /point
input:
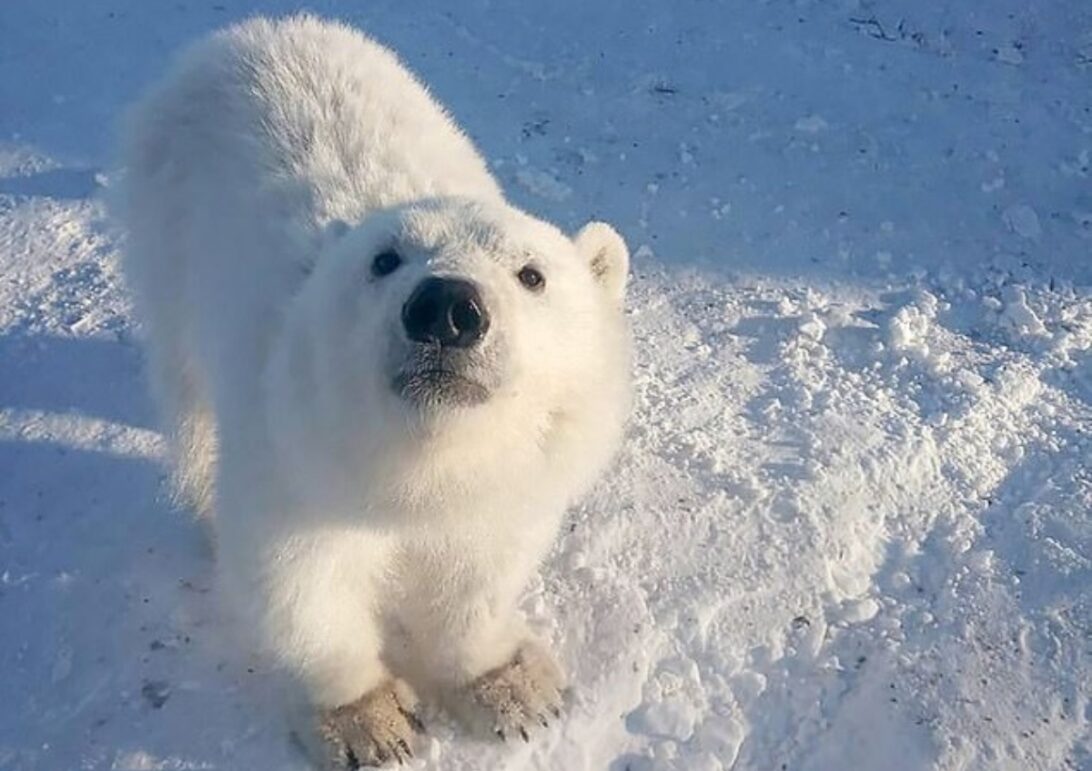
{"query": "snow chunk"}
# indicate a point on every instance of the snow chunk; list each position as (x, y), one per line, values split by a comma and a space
(748, 686)
(1019, 315)
(139, 760)
(722, 736)
(859, 611)
(907, 329)
(543, 184)
(812, 326)
(667, 719)
(1023, 221)
(1009, 54)
(812, 124)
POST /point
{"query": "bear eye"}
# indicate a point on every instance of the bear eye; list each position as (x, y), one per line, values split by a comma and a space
(385, 263)
(531, 278)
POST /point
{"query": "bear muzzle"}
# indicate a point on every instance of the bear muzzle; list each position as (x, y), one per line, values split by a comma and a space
(448, 360)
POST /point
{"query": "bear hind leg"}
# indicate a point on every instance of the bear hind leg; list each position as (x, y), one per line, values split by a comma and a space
(189, 423)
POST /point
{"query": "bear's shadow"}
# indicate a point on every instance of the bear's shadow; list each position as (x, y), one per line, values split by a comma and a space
(104, 585)
(61, 184)
(93, 377)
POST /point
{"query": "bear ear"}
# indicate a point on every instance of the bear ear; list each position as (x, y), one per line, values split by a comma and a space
(606, 255)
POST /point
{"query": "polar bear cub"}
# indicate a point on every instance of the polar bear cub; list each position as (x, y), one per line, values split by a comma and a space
(387, 382)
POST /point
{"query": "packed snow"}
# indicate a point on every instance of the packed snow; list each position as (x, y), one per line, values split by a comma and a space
(851, 526)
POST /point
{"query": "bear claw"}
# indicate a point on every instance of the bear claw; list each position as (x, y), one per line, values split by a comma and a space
(372, 731)
(519, 694)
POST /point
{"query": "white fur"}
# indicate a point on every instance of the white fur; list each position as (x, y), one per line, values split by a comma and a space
(359, 533)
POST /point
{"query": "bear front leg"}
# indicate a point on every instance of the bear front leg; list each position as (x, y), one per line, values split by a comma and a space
(317, 619)
(499, 679)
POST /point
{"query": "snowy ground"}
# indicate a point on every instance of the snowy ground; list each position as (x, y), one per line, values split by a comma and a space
(852, 526)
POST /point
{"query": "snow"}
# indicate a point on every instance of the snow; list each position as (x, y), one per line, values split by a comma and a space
(852, 523)
(1023, 221)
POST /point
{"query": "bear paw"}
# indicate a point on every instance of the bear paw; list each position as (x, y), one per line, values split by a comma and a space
(515, 697)
(374, 730)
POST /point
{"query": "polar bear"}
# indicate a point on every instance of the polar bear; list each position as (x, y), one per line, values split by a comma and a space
(385, 381)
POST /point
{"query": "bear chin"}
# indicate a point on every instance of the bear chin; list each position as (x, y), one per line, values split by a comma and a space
(432, 378)
(439, 388)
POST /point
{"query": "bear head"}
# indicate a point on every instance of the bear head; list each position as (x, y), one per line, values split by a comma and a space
(446, 347)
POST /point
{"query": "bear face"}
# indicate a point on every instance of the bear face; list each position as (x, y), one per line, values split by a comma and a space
(438, 337)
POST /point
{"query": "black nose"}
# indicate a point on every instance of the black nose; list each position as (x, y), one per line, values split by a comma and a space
(445, 311)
